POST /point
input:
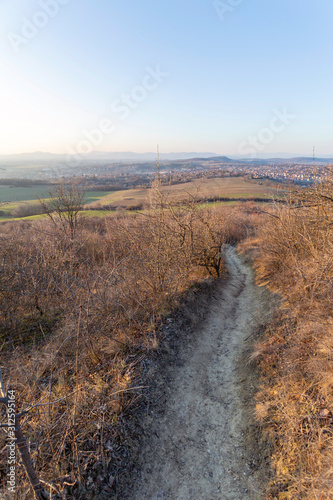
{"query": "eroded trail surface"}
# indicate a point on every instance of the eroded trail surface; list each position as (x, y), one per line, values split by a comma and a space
(203, 445)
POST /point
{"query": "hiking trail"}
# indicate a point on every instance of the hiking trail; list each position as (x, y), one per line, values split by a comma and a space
(201, 444)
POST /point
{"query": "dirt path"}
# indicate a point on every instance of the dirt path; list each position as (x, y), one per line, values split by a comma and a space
(202, 445)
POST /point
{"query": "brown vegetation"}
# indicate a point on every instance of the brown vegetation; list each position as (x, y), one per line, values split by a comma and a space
(26, 209)
(81, 302)
(294, 256)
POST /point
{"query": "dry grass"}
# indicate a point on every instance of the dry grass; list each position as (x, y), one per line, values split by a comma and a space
(79, 315)
(294, 257)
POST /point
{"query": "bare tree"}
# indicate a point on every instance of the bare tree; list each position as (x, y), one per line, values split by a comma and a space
(63, 207)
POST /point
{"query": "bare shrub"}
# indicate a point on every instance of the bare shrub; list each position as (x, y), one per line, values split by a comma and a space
(27, 209)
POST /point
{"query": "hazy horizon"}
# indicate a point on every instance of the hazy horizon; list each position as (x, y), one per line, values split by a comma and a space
(182, 154)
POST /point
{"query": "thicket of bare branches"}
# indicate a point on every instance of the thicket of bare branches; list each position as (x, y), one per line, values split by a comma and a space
(81, 302)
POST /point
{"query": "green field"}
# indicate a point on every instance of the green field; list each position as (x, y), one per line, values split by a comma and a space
(227, 187)
(12, 197)
(85, 213)
(15, 194)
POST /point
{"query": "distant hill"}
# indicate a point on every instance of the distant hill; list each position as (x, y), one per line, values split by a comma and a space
(38, 156)
(282, 157)
(42, 157)
(298, 159)
(217, 159)
(305, 159)
(129, 156)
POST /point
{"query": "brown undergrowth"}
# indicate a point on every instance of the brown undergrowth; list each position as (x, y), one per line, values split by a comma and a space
(293, 254)
(80, 310)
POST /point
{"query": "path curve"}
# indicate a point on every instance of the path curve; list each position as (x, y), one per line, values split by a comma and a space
(199, 447)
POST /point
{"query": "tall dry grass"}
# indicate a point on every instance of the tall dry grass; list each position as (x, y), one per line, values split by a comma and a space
(294, 258)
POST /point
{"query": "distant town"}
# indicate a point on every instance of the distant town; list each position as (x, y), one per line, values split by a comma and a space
(114, 175)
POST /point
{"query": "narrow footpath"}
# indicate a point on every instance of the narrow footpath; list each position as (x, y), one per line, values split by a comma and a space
(203, 444)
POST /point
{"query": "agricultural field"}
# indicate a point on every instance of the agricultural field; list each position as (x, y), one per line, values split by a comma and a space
(10, 194)
(14, 201)
(13, 195)
(11, 198)
(226, 187)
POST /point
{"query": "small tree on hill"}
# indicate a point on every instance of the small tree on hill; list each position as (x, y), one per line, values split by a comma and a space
(63, 207)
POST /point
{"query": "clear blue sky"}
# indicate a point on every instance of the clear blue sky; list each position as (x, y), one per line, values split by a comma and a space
(77, 62)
